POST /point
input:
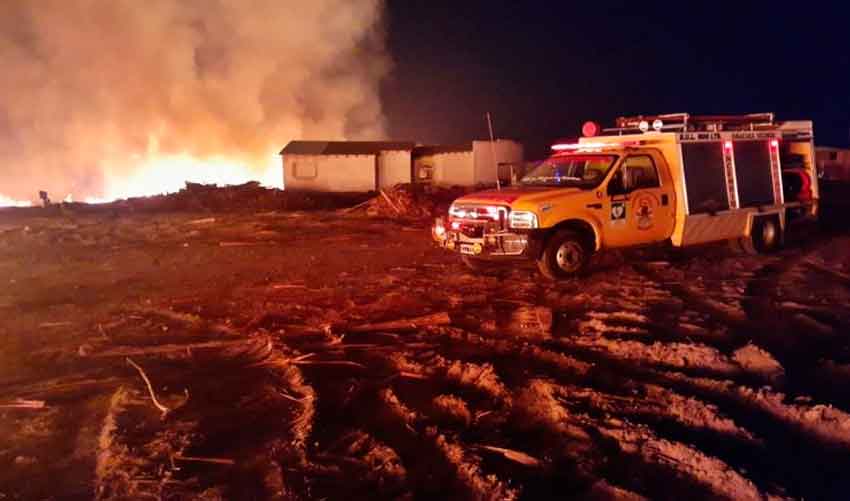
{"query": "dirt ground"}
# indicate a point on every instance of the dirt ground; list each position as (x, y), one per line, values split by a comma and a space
(311, 355)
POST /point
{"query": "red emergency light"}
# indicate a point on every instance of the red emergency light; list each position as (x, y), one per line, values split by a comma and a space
(577, 146)
(590, 129)
(774, 143)
(728, 145)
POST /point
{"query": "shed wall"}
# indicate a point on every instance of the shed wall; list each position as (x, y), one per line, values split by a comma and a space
(452, 169)
(393, 167)
(486, 167)
(340, 173)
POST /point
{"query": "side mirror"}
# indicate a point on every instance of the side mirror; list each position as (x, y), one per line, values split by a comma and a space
(616, 186)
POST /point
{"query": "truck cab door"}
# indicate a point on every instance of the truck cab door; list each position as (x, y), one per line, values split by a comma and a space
(639, 202)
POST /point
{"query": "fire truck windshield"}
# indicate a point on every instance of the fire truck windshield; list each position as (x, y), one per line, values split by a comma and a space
(579, 171)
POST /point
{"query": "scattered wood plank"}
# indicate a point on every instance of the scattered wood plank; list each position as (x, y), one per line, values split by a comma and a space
(286, 286)
(165, 349)
(187, 319)
(206, 220)
(515, 456)
(50, 325)
(21, 403)
(355, 207)
(330, 363)
(54, 390)
(241, 244)
(202, 459)
(405, 324)
(391, 202)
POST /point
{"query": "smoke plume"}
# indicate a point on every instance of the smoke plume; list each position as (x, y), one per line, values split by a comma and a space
(95, 92)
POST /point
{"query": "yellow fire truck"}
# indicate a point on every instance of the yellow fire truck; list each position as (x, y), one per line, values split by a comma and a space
(675, 178)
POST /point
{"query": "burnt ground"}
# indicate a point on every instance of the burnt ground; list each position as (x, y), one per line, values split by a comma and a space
(319, 356)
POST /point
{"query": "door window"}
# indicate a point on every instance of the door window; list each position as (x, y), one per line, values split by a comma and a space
(640, 173)
(637, 172)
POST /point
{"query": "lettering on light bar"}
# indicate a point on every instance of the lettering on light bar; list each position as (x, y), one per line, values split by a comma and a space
(593, 146)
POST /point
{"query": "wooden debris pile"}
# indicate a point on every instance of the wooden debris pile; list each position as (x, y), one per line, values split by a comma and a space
(410, 201)
(211, 197)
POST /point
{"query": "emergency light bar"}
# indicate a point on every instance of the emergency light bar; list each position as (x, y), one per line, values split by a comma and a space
(594, 146)
(688, 122)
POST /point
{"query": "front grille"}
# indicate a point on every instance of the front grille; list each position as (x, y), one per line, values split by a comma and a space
(514, 244)
(472, 230)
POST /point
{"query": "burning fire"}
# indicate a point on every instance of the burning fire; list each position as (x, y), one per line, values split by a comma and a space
(185, 91)
(168, 173)
(157, 174)
(9, 202)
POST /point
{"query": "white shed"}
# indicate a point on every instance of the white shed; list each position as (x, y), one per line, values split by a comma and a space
(346, 166)
(833, 163)
(481, 162)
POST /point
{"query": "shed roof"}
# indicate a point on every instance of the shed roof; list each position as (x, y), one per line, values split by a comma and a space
(437, 149)
(344, 147)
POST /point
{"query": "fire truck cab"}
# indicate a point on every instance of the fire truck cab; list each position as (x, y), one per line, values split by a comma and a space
(674, 178)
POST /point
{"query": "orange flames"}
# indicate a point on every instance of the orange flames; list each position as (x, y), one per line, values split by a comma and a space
(10, 202)
(157, 174)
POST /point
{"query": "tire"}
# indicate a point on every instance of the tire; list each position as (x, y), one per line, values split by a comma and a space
(566, 254)
(765, 237)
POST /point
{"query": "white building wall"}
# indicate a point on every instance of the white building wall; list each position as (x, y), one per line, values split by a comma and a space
(453, 169)
(393, 168)
(340, 173)
(833, 163)
(486, 167)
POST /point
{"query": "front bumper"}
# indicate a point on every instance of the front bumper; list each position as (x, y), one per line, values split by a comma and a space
(480, 240)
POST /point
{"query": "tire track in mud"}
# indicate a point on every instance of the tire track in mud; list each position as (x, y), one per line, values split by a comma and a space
(655, 406)
(801, 334)
(786, 429)
(754, 364)
(529, 393)
(600, 373)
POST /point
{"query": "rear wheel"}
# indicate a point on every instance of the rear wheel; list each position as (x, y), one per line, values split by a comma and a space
(765, 237)
(565, 255)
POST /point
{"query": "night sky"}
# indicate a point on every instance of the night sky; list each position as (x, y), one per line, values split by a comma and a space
(543, 68)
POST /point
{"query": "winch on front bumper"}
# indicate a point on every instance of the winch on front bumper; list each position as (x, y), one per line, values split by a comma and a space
(480, 238)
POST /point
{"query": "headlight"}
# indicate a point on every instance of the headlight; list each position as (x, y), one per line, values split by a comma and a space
(477, 212)
(523, 219)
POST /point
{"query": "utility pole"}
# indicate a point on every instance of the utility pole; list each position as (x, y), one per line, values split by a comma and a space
(493, 151)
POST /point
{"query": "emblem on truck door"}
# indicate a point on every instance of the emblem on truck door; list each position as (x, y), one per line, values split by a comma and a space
(644, 206)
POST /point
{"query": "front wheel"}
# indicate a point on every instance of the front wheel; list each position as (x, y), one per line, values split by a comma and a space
(566, 255)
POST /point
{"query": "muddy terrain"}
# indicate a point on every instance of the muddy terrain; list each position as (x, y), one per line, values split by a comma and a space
(320, 355)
